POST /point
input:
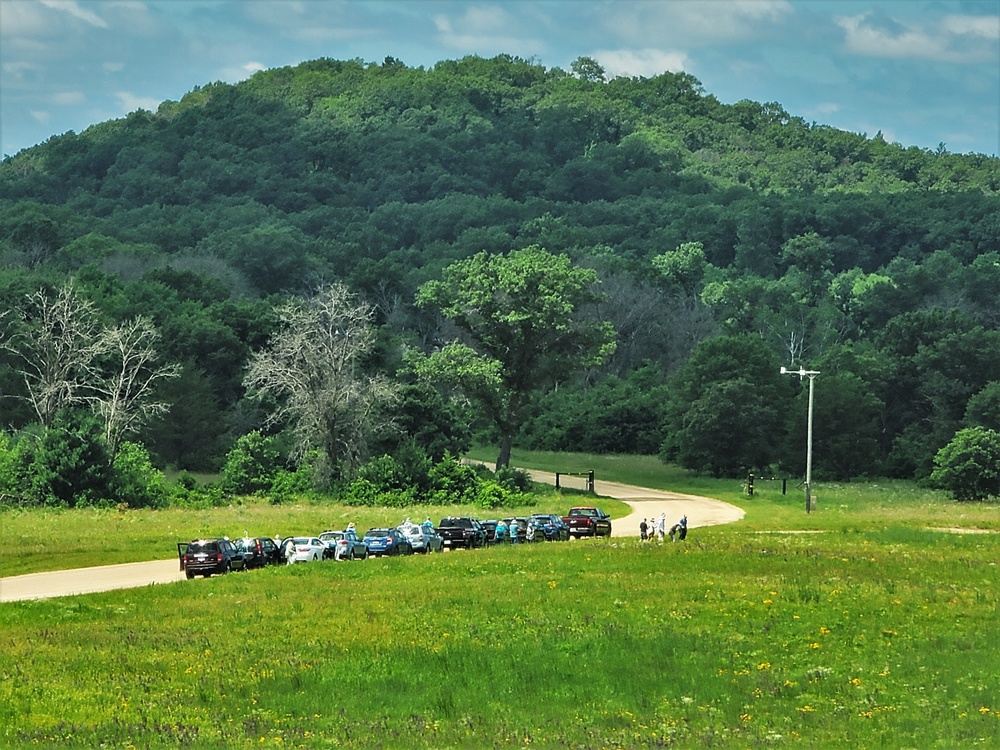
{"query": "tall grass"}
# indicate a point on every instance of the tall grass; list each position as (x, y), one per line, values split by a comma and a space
(732, 640)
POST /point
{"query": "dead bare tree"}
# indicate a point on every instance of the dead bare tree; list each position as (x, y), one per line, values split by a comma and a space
(58, 342)
(312, 371)
(123, 392)
(69, 359)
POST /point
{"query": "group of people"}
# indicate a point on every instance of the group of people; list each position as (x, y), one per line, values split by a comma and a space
(657, 528)
(505, 532)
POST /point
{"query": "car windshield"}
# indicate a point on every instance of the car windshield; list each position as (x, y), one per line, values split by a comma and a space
(302, 541)
(331, 536)
(377, 533)
(195, 547)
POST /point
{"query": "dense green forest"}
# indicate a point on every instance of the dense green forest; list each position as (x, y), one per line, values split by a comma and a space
(729, 240)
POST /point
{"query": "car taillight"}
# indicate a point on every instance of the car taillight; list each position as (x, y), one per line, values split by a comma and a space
(218, 557)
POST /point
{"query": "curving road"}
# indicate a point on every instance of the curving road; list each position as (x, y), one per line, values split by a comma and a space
(645, 503)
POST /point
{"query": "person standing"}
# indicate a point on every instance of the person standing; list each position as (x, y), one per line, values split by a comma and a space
(500, 532)
(661, 526)
(682, 528)
(529, 535)
(643, 530)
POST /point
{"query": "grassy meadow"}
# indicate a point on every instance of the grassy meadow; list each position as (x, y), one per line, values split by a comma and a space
(876, 632)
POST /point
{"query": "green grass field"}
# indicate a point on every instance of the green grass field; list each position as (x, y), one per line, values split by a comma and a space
(876, 632)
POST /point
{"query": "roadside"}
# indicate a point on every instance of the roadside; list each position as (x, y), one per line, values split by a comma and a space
(649, 503)
(645, 503)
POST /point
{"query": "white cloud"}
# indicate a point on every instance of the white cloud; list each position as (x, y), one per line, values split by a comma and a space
(643, 62)
(41, 116)
(826, 108)
(693, 23)
(958, 39)
(74, 9)
(112, 67)
(130, 102)
(18, 68)
(68, 98)
(490, 29)
(237, 73)
(987, 27)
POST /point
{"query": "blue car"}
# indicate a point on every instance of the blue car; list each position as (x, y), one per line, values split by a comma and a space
(387, 542)
(553, 528)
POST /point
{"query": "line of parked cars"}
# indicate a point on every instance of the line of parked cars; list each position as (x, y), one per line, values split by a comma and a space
(218, 556)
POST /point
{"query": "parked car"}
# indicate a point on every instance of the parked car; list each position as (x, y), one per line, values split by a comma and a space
(462, 532)
(551, 526)
(387, 542)
(588, 521)
(345, 545)
(259, 551)
(305, 549)
(208, 557)
(423, 538)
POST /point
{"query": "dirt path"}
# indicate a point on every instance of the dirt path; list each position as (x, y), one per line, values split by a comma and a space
(88, 580)
(646, 503)
(649, 503)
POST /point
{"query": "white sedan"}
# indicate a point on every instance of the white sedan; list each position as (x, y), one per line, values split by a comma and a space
(303, 549)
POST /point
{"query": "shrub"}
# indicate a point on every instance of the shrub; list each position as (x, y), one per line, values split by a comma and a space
(251, 465)
(969, 466)
(137, 483)
(493, 495)
(288, 485)
(361, 492)
(515, 480)
(453, 482)
(71, 466)
(197, 498)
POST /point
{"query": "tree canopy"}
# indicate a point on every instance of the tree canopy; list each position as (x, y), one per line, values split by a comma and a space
(717, 232)
(524, 316)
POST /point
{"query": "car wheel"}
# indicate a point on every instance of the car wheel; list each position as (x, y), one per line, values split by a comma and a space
(189, 574)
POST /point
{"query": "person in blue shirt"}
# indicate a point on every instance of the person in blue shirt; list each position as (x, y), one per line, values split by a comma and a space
(500, 533)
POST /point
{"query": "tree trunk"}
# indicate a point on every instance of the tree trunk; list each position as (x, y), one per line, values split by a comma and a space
(503, 460)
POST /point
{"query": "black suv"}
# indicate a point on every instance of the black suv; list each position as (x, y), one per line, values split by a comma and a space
(208, 556)
(259, 551)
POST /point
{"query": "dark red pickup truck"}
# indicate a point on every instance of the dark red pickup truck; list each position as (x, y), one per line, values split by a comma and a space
(585, 521)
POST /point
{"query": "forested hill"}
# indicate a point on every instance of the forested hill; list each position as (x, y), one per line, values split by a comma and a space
(704, 219)
(304, 171)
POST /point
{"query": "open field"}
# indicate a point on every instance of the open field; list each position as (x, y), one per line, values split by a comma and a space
(876, 632)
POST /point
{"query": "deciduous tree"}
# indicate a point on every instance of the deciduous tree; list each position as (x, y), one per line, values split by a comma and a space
(521, 317)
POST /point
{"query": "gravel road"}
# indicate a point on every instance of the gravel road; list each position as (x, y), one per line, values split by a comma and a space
(646, 503)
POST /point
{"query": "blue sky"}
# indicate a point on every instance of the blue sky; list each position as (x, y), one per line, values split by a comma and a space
(922, 72)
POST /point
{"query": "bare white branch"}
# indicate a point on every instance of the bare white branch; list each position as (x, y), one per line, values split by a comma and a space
(311, 369)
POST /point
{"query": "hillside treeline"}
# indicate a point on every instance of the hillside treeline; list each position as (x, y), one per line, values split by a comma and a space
(730, 240)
